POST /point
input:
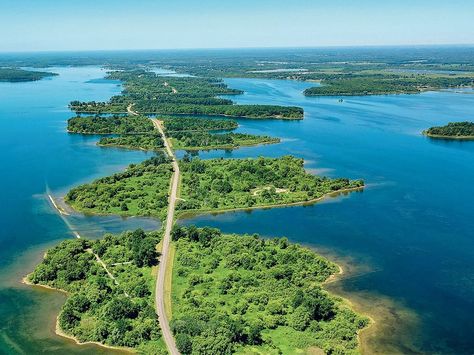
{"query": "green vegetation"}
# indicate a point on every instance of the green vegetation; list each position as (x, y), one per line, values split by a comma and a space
(109, 124)
(385, 84)
(153, 94)
(116, 312)
(245, 294)
(141, 190)
(206, 140)
(14, 75)
(176, 123)
(220, 184)
(453, 130)
(134, 141)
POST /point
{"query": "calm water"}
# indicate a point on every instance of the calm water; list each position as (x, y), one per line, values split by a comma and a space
(36, 155)
(406, 241)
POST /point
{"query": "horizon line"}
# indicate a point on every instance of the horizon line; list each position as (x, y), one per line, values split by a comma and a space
(240, 48)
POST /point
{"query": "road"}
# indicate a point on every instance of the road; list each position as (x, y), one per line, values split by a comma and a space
(160, 283)
(130, 111)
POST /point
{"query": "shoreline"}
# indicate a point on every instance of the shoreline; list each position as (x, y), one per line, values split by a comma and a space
(223, 147)
(58, 331)
(448, 138)
(351, 303)
(191, 115)
(194, 213)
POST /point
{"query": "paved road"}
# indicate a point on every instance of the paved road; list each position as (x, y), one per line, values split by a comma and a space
(160, 283)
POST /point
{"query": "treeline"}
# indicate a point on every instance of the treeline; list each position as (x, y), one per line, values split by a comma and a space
(452, 130)
(98, 107)
(153, 94)
(98, 309)
(242, 183)
(245, 294)
(178, 123)
(348, 85)
(134, 141)
(205, 140)
(14, 75)
(245, 111)
(141, 190)
(115, 124)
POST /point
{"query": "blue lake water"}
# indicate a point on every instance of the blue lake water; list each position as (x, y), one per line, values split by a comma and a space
(409, 236)
(38, 155)
(406, 241)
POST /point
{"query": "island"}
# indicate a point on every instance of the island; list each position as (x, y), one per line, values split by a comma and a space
(384, 84)
(206, 186)
(244, 294)
(453, 130)
(15, 75)
(109, 287)
(206, 141)
(148, 93)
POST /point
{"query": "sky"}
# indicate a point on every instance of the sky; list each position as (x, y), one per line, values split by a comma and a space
(44, 25)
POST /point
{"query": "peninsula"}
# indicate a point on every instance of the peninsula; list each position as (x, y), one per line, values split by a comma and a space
(15, 75)
(453, 130)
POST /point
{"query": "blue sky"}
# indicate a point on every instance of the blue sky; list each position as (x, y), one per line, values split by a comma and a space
(31, 25)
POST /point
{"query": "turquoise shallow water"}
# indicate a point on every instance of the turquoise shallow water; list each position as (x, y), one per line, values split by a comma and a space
(407, 240)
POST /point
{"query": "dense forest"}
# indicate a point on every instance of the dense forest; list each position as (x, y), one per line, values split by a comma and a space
(180, 123)
(115, 309)
(246, 294)
(452, 130)
(351, 85)
(205, 140)
(242, 183)
(141, 190)
(14, 75)
(109, 124)
(153, 94)
(152, 141)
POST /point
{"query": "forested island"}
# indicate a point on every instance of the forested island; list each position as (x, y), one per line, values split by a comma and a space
(206, 185)
(245, 294)
(15, 75)
(359, 85)
(149, 93)
(206, 140)
(453, 130)
(109, 284)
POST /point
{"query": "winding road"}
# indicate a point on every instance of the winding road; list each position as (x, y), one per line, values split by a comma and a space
(160, 283)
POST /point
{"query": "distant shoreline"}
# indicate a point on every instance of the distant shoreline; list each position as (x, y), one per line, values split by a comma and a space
(440, 136)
